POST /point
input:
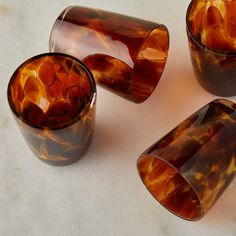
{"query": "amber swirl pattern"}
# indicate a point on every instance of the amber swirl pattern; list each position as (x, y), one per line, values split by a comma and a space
(125, 55)
(52, 97)
(212, 38)
(189, 168)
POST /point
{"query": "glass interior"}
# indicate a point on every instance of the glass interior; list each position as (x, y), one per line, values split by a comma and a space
(150, 63)
(213, 23)
(168, 186)
(50, 90)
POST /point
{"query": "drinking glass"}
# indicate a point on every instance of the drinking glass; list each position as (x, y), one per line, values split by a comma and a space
(53, 99)
(212, 41)
(189, 168)
(125, 55)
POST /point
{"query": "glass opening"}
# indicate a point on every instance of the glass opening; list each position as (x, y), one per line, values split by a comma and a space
(168, 186)
(50, 91)
(150, 63)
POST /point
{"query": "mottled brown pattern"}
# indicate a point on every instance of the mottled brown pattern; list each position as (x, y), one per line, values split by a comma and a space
(212, 39)
(53, 99)
(213, 23)
(189, 168)
(126, 55)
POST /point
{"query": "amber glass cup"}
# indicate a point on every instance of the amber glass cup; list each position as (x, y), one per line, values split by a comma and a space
(189, 168)
(53, 98)
(212, 36)
(125, 55)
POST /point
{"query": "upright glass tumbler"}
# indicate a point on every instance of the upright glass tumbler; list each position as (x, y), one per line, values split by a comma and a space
(211, 33)
(189, 168)
(125, 55)
(53, 97)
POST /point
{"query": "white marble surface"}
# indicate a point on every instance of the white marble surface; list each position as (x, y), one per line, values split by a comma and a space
(102, 194)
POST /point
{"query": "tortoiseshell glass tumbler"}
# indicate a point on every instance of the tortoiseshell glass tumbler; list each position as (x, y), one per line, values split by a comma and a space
(125, 55)
(189, 168)
(53, 99)
(211, 34)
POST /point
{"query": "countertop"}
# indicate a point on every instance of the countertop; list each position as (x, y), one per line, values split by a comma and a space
(102, 194)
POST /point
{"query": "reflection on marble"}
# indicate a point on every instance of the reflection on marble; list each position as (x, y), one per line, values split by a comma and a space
(102, 194)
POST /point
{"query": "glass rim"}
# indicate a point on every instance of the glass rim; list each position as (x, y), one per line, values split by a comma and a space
(202, 210)
(158, 26)
(78, 117)
(62, 14)
(211, 50)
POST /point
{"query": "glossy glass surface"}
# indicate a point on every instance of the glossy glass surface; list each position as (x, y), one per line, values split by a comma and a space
(125, 55)
(53, 99)
(189, 168)
(212, 39)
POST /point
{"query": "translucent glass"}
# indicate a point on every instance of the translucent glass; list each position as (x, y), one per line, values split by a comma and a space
(125, 55)
(52, 97)
(189, 169)
(212, 39)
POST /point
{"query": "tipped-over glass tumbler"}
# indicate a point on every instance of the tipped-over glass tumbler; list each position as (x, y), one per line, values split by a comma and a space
(125, 55)
(189, 169)
(53, 98)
